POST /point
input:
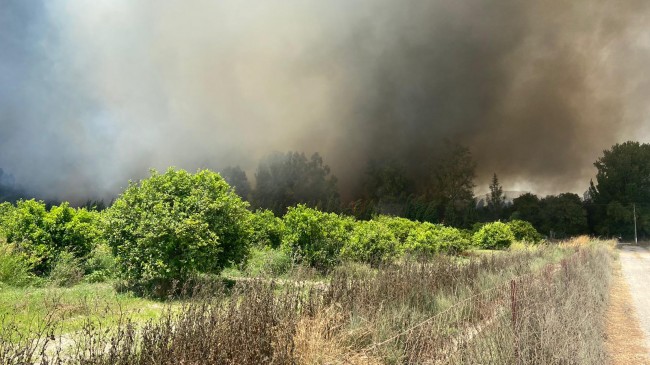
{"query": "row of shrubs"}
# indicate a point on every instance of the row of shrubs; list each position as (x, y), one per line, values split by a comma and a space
(175, 225)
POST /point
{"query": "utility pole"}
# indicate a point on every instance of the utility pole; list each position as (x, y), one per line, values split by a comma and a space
(636, 241)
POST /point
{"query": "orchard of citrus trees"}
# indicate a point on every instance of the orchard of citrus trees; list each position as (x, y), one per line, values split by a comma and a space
(176, 225)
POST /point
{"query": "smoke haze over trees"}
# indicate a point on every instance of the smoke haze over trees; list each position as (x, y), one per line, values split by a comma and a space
(284, 180)
(94, 93)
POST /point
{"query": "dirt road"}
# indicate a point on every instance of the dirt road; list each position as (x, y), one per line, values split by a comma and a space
(635, 264)
(625, 339)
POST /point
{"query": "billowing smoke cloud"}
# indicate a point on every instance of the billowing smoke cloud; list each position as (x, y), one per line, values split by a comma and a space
(95, 92)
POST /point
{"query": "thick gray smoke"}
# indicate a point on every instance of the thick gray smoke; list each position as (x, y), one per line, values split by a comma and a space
(93, 93)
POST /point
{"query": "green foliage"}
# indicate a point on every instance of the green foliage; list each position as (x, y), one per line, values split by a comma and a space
(15, 269)
(42, 234)
(559, 216)
(236, 177)
(563, 215)
(450, 240)
(422, 208)
(267, 229)
(177, 224)
(496, 201)
(621, 181)
(401, 227)
(284, 180)
(451, 185)
(386, 185)
(73, 230)
(429, 238)
(267, 261)
(524, 231)
(25, 227)
(100, 265)
(495, 235)
(371, 242)
(5, 210)
(527, 207)
(425, 238)
(67, 270)
(315, 237)
(476, 227)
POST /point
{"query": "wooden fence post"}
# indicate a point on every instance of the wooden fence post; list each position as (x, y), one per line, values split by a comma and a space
(514, 309)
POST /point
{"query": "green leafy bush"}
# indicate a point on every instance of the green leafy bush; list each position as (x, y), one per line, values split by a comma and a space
(428, 238)
(371, 242)
(67, 270)
(15, 269)
(5, 209)
(267, 261)
(477, 227)
(73, 230)
(401, 227)
(524, 231)
(495, 235)
(314, 237)
(172, 226)
(100, 265)
(267, 229)
(24, 226)
(42, 234)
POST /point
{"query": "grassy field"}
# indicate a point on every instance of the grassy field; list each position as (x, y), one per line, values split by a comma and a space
(28, 308)
(446, 309)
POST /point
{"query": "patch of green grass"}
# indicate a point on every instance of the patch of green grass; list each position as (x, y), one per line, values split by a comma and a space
(553, 255)
(27, 308)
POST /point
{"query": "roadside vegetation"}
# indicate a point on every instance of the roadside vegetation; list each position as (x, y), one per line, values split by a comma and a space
(179, 269)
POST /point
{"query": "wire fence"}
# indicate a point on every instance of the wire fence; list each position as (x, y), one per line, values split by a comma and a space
(522, 321)
(552, 316)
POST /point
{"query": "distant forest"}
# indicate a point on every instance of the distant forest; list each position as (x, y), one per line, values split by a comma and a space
(621, 188)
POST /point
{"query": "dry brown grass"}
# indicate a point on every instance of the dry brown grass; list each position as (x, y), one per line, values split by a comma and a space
(584, 240)
(319, 340)
(579, 241)
(625, 343)
(443, 309)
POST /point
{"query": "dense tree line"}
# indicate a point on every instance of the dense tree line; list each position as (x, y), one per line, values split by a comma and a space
(444, 192)
(176, 226)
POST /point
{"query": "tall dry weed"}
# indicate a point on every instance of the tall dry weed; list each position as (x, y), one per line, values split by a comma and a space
(497, 309)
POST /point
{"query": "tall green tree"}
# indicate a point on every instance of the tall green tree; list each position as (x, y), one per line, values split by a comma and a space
(496, 201)
(386, 187)
(237, 179)
(527, 207)
(284, 180)
(622, 181)
(563, 216)
(452, 183)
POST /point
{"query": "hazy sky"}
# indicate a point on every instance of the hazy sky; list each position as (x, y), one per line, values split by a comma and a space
(96, 92)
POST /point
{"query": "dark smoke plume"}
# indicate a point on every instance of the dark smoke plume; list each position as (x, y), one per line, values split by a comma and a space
(93, 93)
